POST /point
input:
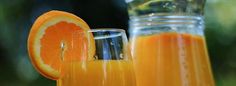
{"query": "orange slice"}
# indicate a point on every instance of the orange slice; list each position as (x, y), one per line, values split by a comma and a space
(52, 41)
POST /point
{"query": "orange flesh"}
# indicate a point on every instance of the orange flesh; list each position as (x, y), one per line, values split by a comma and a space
(171, 59)
(59, 41)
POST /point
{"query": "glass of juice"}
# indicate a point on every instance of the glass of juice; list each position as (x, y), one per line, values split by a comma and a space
(168, 44)
(107, 63)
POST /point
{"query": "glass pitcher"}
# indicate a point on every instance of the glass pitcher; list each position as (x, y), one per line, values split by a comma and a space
(168, 44)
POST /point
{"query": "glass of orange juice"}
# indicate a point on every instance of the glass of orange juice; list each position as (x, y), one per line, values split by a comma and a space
(168, 44)
(105, 62)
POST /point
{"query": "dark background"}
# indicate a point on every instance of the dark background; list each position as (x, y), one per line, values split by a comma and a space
(17, 16)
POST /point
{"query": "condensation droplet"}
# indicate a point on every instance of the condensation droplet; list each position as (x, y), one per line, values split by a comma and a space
(96, 57)
(111, 43)
(121, 56)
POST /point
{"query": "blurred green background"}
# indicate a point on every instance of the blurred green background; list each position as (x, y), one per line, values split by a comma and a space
(17, 16)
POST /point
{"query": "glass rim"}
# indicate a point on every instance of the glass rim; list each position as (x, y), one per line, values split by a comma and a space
(106, 29)
(116, 32)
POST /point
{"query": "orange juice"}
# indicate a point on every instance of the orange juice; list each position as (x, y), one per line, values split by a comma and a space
(171, 59)
(98, 73)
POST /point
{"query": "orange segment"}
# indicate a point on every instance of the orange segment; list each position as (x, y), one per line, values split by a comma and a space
(52, 41)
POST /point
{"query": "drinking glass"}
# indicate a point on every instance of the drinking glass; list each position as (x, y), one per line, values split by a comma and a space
(168, 43)
(101, 60)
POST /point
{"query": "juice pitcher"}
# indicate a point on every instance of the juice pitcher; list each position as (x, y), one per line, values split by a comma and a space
(168, 44)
